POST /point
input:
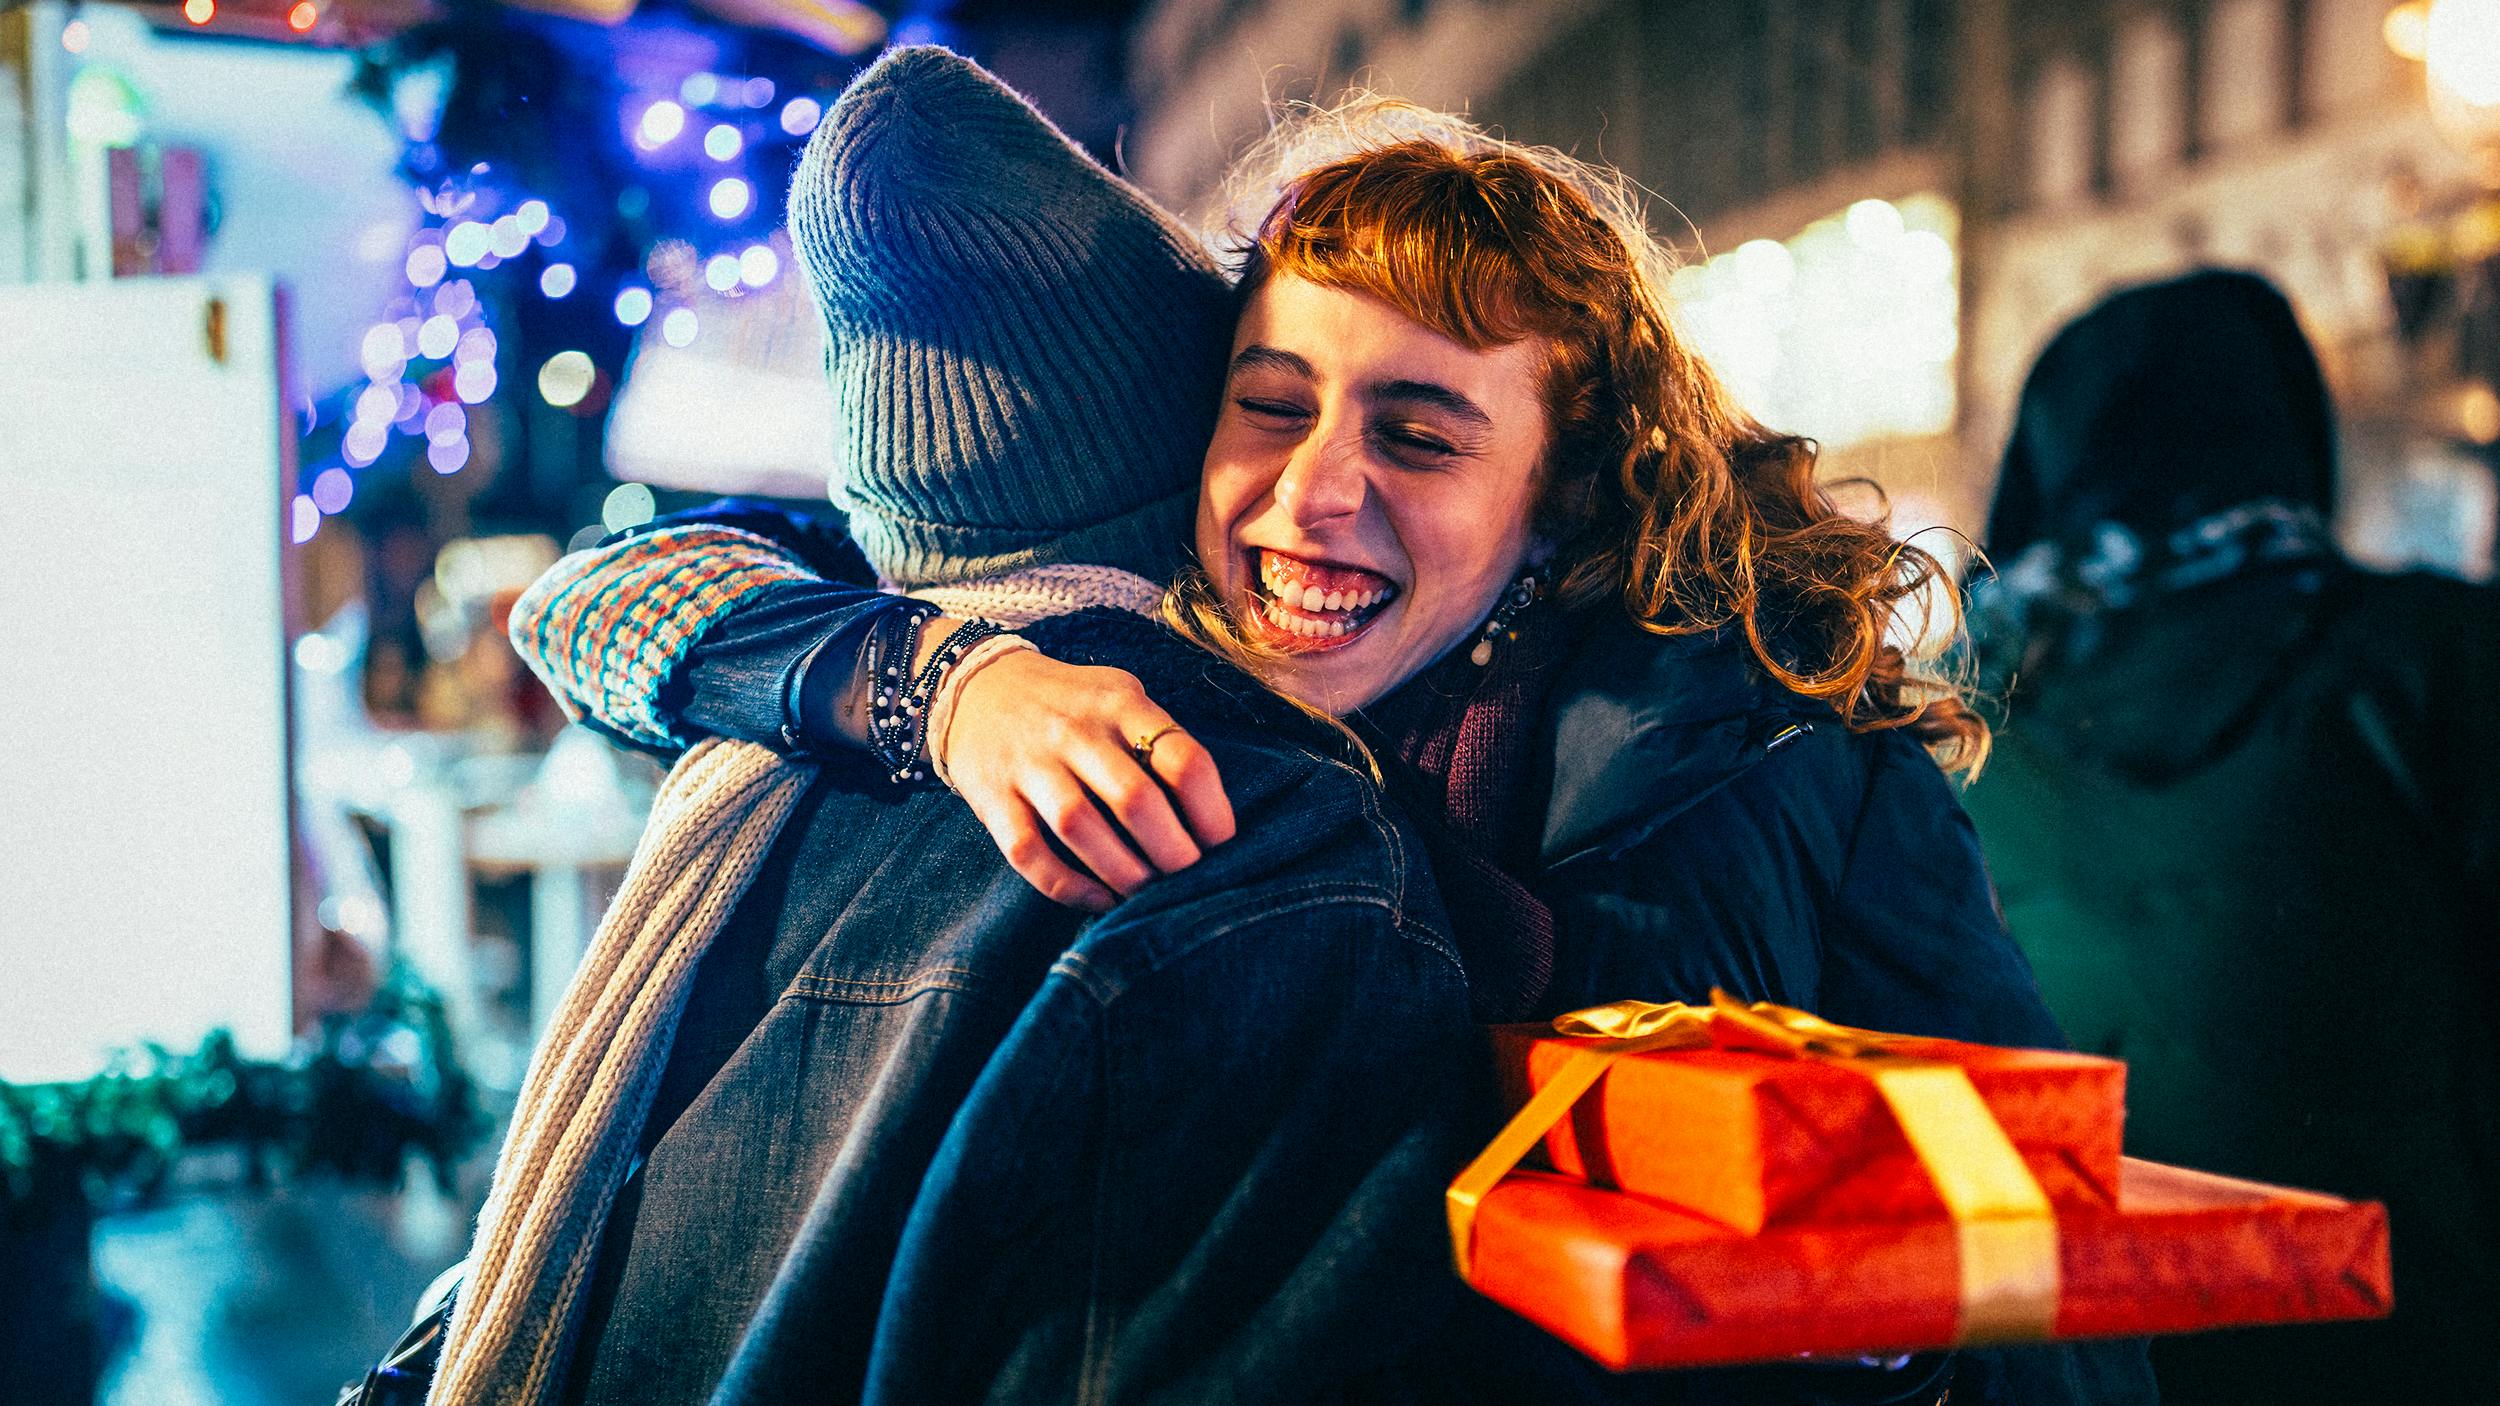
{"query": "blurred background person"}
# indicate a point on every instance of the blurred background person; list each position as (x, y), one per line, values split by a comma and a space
(2243, 817)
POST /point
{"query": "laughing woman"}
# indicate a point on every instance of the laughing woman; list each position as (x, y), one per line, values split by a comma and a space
(1470, 492)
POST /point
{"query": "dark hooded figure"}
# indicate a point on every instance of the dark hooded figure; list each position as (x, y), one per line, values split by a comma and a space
(2243, 815)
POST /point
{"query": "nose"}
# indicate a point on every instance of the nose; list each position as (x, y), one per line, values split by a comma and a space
(1322, 481)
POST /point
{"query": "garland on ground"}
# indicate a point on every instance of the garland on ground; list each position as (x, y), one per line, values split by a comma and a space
(357, 1096)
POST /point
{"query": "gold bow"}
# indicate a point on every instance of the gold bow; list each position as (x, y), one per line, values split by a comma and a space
(2008, 1236)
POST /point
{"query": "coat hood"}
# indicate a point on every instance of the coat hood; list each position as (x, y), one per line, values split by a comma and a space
(2163, 405)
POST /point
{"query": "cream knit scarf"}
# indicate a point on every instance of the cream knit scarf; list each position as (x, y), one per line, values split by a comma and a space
(591, 1081)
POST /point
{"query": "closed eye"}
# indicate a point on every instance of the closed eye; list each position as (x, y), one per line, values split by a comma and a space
(1408, 439)
(1272, 412)
(1414, 448)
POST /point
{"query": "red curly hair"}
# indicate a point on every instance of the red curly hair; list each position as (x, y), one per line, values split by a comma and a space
(1658, 488)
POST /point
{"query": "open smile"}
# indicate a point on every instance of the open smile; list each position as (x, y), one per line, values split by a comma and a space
(1308, 606)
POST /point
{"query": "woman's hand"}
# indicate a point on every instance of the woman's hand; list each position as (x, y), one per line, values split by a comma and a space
(1045, 751)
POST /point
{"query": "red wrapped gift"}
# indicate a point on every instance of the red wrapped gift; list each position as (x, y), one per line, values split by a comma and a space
(1754, 1138)
(1634, 1283)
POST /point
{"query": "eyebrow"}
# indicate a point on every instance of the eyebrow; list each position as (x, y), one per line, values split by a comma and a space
(1260, 357)
(1434, 394)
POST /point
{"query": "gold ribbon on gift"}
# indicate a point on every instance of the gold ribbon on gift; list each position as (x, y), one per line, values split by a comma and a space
(2007, 1233)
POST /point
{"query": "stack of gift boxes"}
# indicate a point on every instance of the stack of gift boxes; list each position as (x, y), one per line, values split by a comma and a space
(1749, 1184)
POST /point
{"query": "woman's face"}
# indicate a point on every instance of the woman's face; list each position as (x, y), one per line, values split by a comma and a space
(1368, 493)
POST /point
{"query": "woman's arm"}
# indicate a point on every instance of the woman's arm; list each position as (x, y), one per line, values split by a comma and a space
(724, 622)
(636, 636)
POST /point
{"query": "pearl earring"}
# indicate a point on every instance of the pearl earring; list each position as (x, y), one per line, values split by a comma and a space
(1522, 594)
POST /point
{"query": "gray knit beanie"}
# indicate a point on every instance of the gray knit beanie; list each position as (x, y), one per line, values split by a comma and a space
(1026, 352)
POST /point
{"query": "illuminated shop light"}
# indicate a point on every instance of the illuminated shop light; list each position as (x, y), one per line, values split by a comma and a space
(364, 441)
(437, 336)
(426, 265)
(1873, 224)
(633, 305)
(506, 238)
(2461, 48)
(377, 404)
(2406, 29)
(730, 198)
(474, 382)
(332, 490)
(467, 242)
(566, 379)
(1846, 333)
(627, 505)
(799, 116)
(556, 280)
(661, 122)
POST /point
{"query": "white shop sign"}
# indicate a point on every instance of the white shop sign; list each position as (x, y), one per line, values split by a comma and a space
(145, 474)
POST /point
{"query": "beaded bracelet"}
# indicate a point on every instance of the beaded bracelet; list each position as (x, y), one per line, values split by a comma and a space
(893, 641)
(898, 708)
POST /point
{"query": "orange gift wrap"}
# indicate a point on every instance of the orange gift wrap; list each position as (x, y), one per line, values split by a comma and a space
(1636, 1284)
(1755, 1139)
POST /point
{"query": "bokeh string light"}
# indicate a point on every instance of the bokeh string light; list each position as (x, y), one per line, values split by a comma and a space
(431, 360)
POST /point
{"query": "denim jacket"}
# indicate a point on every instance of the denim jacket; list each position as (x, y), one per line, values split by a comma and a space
(925, 1136)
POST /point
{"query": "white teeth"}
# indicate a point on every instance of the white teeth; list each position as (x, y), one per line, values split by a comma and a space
(1336, 628)
(1313, 597)
(1335, 601)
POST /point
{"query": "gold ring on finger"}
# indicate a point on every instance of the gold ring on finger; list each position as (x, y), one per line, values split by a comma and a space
(1144, 746)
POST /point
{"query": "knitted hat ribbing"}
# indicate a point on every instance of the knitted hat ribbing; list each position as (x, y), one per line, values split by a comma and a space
(1026, 352)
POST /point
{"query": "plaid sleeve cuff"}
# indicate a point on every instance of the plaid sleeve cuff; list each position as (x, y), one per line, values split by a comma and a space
(605, 629)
